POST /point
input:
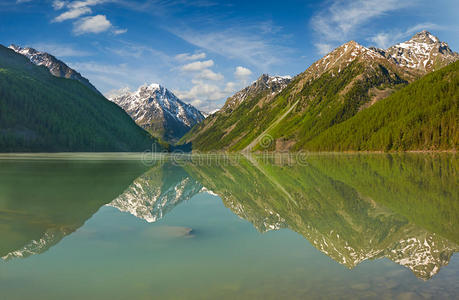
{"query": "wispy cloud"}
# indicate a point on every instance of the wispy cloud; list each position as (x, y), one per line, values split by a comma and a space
(108, 76)
(58, 4)
(72, 14)
(119, 31)
(342, 19)
(236, 43)
(189, 57)
(59, 50)
(323, 48)
(197, 65)
(95, 24)
(389, 38)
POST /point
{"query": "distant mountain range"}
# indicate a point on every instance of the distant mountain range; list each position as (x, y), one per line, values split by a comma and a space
(159, 111)
(321, 109)
(341, 86)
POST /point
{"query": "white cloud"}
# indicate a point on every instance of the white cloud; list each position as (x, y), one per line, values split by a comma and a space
(210, 75)
(77, 9)
(202, 91)
(119, 31)
(72, 14)
(188, 56)
(323, 48)
(383, 39)
(77, 4)
(197, 65)
(230, 87)
(60, 50)
(342, 19)
(252, 47)
(57, 4)
(137, 51)
(107, 77)
(95, 24)
(242, 73)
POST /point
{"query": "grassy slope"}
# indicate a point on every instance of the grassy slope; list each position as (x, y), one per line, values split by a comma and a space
(422, 116)
(40, 112)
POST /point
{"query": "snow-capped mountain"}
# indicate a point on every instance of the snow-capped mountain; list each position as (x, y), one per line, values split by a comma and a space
(273, 84)
(423, 52)
(158, 110)
(57, 67)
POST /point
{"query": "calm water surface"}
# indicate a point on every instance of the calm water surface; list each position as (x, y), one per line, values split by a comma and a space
(80, 226)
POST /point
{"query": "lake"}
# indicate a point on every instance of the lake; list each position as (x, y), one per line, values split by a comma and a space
(124, 226)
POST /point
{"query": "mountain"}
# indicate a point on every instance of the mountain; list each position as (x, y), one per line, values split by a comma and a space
(339, 86)
(57, 67)
(423, 52)
(422, 116)
(158, 111)
(221, 128)
(40, 112)
(353, 208)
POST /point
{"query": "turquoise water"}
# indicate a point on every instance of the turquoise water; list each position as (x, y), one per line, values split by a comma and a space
(342, 226)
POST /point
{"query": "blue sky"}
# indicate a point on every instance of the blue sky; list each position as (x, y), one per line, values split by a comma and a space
(205, 50)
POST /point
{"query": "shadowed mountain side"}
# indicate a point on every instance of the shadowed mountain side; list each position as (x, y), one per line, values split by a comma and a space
(345, 221)
(43, 201)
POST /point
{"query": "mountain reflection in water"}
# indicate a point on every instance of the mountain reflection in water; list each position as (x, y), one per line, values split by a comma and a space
(352, 208)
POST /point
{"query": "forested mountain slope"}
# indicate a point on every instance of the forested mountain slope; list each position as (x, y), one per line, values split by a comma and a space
(336, 88)
(41, 112)
(422, 116)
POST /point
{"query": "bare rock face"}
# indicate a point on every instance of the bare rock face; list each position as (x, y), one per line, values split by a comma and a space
(423, 52)
(158, 110)
(57, 67)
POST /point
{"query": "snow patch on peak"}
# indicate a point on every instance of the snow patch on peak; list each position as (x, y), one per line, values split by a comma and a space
(423, 52)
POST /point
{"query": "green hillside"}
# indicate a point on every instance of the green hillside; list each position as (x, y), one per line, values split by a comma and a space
(421, 116)
(329, 92)
(43, 113)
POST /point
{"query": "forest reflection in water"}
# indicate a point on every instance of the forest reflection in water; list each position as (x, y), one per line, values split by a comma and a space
(351, 207)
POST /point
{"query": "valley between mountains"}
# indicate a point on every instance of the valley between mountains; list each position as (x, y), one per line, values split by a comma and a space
(355, 98)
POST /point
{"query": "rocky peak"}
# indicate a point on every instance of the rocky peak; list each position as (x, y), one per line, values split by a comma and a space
(424, 52)
(264, 83)
(341, 57)
(55, 66)
(158, 110)
(424, 37)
